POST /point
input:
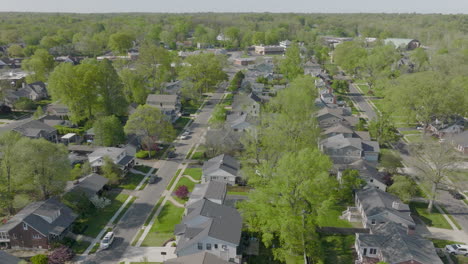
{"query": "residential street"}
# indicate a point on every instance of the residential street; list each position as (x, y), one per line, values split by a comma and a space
(361, 102)
(136, 215)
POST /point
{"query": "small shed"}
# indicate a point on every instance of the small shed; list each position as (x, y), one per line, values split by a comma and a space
(69, 138)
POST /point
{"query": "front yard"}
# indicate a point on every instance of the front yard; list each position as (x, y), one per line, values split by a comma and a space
(163, 228)
(195, 173)
(131, 181)
(435, 219)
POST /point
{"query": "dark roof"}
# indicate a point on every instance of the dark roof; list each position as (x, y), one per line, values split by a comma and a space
(222, 162)
(47, 217)
(34, 128)
(377, 202)
(6, 258)
(125, 160)
(396, 246)
(255, 97)
(197, 258)
(91, 185)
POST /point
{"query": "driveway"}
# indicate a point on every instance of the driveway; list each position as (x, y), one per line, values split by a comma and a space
(136, 215)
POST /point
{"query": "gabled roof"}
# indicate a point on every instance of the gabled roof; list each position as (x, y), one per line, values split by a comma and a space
(110, 152)
(338, 128)
(339, 142)
(33, 128)
(222, 162)
(47, 217)
(197, 258)
(371, 146)
(162, 100)
(396, 246)
(221, 222)
(377, 202)
(211, 190)
(91, 184)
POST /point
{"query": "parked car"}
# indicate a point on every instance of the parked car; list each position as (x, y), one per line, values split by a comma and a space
(185, 135)
(171, 154)
(107, 240)
(154, 179)
(455, 194)
(457, 249)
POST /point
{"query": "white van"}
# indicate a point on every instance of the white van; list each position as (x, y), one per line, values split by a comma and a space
(457, 249)
(107, 240)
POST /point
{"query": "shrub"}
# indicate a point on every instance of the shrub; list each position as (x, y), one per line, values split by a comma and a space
(182, 192)
(24, 104)
(62, 130)
(61, 255)
(39, 259)
(143, 154)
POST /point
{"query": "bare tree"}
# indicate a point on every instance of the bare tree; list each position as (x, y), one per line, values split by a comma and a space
(433, 162)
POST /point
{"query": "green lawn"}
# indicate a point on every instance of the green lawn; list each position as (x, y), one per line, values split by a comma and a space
(414, 138)
(142, 168)
(195, 173)
(199, 155)
(131, 181)
(153, 211)
(331, 219)
(77, 246)
(185, 181)
(435, 219)
(451, 218)
(96, 222)
(408, 132)
(238, 190)
(338, 249)
(173, 180)
(163, 228)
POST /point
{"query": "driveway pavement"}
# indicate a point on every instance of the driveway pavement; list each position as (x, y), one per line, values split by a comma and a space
(136, 215)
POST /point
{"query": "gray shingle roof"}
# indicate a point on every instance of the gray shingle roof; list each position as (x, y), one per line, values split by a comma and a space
(338, 128)
(378, 202)
(162, 101)
(92, 184)
(339, 142)
(197, 258)
(33, 128)
(47, 217)
(223, 223)
(222, 162)
(397, 246)
(210, 190)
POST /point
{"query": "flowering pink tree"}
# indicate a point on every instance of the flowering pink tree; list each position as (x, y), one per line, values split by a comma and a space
(60, 255)
(182, 192)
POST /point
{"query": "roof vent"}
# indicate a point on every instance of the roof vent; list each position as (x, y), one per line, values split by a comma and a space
(396, 205)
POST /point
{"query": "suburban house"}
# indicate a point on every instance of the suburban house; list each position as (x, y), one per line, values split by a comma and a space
(169, 104)
(393, 243)
(6, 258)
(343, 149)
(58, 109)
(213, 191)
(446, 128)
(328, 117)
(337, 129)
(210, 227)
(241, 122)
(198, 258)
(118, 155)
(90, 185)
(33, 91)
(37, 225)
(37, 129)
(285, 43)
(460, 141)
(376, 207)
(53, 120)
(265, 50)
(405, 44)
(367, 171)
(223, 168)
(244, 61)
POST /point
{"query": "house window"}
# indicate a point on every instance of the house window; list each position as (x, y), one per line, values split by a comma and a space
(373, 221)
(14, 236)
(36, 236)
(200, 246)
(25, 226)
(373, 251)
(224, 247)
(216, 246)
(208, 246)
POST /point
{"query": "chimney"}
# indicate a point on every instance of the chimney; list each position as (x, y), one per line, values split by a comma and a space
(410, 230)
(396, 205)
(334, 99)
(23, 85)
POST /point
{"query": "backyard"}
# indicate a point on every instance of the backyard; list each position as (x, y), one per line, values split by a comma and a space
(163, 228)
(338, 248)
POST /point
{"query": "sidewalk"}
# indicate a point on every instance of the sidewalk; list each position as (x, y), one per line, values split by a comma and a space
(150, 254)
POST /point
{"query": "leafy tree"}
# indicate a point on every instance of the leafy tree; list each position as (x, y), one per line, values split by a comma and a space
(15, 50)
(433, 162)
(61, 255)
(148, 122)
(120, 42)
(340, 86)
(287, 202)
(46, 168)
(182, 192)
(154, 65)
(8, 181)
(39, 112)
(134, 86)
(110, 90)
(350, 181)
(39, 259)
(39, 66)
(349, 55)
(204, 71)
(403, 187)
(24, 104)
(218, 116)
(291, 65)
(383, 130)
(111, 171)
(108, 131)
(377, 63)
(236, 81)
(420, 58)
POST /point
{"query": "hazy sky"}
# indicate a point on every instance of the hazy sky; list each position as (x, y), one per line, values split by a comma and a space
(303, 6)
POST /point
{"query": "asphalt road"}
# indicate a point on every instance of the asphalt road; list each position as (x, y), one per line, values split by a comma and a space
(136, 215)
(361, 102)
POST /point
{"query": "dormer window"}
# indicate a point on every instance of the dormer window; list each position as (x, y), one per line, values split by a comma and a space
(25, 226)
(373, 221)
